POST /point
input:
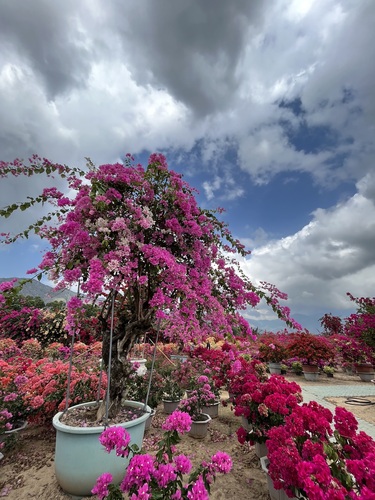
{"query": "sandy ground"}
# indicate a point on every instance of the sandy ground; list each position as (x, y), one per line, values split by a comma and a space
(28, 471)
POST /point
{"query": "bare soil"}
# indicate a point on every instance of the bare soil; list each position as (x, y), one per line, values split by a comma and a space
(27, 472)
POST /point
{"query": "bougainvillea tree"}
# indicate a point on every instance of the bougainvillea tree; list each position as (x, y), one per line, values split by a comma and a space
(136, 238)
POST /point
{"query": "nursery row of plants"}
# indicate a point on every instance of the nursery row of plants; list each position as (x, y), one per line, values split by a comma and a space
(35, 372)
(34, 382)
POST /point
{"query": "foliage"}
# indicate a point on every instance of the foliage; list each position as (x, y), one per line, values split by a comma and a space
(311, 461)
(265, 404)
(162, 476)
(310, 349)
(241, 372)
(359, 326)
(332, 325)
(172, 390)
(297, 367)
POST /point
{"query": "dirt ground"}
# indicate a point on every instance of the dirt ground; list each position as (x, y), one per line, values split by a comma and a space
(27, 472)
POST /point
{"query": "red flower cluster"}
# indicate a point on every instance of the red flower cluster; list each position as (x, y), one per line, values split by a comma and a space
(310, 460)
(265, 404)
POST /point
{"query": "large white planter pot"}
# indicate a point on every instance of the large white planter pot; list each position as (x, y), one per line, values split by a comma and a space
(311, 372)
(366, 377)
(182, 358)
(20, 425)
(80, 458)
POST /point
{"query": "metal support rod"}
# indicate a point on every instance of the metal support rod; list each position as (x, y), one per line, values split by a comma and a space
(152, 366)
(100, 381)
(70, 364)
(109, 360)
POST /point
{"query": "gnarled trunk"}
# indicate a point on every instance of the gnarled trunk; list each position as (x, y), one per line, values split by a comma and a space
(125, 336)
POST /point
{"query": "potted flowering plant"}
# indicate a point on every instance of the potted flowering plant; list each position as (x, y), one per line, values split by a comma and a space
(309, 459)
(136, 242)
(200, 397)
(265, 404)
(312, 350)
(172, 394)
(162, 475)
(125, 234)
(329, 371)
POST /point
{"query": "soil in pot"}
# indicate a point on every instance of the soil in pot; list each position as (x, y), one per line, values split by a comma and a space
(86, 416)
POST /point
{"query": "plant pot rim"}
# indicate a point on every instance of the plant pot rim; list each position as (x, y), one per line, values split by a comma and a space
(208, 418)
(19, 425)
(171, 400)
(100, 428)
(212, 404)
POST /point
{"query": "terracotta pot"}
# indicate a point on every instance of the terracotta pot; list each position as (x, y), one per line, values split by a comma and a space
(311, 372)
(364, 368)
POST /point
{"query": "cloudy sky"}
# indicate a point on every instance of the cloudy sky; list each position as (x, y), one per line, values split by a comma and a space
(267, 108)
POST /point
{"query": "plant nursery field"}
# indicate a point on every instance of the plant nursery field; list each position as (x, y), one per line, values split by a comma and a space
(27, 472)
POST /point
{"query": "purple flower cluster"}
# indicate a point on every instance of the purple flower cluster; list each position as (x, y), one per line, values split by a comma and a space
(116, 438)
(161, 476)
(178, 421)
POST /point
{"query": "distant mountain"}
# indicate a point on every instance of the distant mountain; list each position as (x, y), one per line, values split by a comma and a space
(36, 289)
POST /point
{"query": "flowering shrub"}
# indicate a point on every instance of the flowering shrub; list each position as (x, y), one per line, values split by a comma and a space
(243, 372)
(310, 349)
(161, 476)
(359, 326)
(137, 237)
(13, 406)
(46, 386)
(35, 389)
(202, 395)
(351, 350)
(218, 360)
(273, 347)
(265, 404)
(187, 372)
(138, 388)
(310, 460)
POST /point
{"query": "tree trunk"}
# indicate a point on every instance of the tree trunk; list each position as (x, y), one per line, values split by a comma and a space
(124, 338)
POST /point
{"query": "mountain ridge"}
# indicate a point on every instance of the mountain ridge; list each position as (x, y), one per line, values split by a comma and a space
(35, 288)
